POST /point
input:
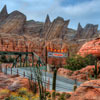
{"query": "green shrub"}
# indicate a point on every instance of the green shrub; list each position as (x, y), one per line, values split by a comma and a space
(16, 98)
(22, 91)
(3, 59)
(53, 94)
(62, 96)
(47, 93)
(77, 62)
(68, 95)
(75, 87)
(10, 59)
(57, 94)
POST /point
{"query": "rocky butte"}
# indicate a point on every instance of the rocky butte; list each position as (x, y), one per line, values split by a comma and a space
(17, 34)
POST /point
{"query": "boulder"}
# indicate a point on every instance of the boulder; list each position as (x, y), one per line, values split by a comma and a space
(13, 82)
(87, 91)
(13, 23)
(91, 47)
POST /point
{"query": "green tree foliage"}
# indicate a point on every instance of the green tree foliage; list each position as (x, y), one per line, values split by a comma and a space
(5, 59)
(77, 62)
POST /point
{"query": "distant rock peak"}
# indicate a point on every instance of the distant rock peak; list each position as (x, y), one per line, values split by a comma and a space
(79, 27)
(4, 11)
(89, 31)
(47, 19)
(3, 14)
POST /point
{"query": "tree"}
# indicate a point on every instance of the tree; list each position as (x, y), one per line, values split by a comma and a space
(77, 62)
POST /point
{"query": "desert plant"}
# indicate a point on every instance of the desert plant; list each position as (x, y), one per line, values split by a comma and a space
(10, 59)
(4, 92)
(22, 91)
(68, 95)
(54, 79)
(40, 80)
(62, 96)
(3, 59)
(96, 70)
(47, 93)
(54, 83)
(57, 94)
(77, 62)
(74, 87)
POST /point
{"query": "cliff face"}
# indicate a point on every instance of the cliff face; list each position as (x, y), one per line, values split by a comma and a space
(89, 31)
(16, 23)
(33, 28)
(15, 26)
(3, 14)
(57, 29)
(13, 23)
(91, 47)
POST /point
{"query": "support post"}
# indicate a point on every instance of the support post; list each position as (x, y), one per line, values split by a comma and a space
(32, 59)
(6, 70)
(23, 74)
(24, 63)
(0, 68)
(11, 70)
(20, 60)
(26, 58)
(17, 71)
(31, 76)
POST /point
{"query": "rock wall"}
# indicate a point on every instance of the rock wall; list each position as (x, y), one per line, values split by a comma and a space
(13, 23)
(91, 47)
(3, 14)
(89, 31)
(57, 29)
(33, 28)
(31, 36)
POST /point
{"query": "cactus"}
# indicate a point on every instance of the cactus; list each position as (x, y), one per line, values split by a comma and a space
(75, 85)
(54, 83)
(96, 71)
(54, 79)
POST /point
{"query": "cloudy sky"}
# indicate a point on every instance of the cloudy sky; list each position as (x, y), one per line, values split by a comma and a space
(83, 11)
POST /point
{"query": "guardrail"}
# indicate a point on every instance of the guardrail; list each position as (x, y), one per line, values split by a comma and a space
(46, 83)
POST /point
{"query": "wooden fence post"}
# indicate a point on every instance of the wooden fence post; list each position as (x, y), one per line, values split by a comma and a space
(31, 76)
(11, 70)
(48, 84)
(23, 74)
(6, 70)
(17, 71)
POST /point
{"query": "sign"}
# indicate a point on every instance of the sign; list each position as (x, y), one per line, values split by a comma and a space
(54, 54)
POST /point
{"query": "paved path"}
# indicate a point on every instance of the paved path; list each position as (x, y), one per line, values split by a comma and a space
(62, 84)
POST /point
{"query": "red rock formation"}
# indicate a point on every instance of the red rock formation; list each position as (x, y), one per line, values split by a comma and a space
(46, 25)
(89, 31)
(33, 28)
(80, 75)
(91, 47)
(87, 91)
(56, 29)
(13, 23)
(3, 14)
(13, 82)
